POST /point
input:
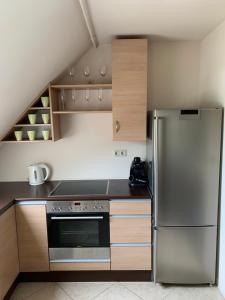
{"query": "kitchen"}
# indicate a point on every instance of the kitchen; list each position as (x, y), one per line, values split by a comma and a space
(90, 149)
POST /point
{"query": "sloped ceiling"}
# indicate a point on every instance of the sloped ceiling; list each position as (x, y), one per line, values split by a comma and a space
(38, 40)
(171, 19)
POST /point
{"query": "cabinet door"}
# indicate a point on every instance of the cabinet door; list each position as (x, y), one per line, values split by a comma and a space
(129, 89)
(32, 238)
(134, 229)
(130, 207)
(9, 264)
(130, 257)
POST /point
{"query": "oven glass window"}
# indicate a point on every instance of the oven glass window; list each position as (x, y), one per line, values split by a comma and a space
(78, 233)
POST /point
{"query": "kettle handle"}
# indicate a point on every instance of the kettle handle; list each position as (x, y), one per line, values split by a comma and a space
(44, 166)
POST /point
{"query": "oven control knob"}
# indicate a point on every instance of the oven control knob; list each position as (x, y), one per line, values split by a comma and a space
(59, 209)
(53, 209)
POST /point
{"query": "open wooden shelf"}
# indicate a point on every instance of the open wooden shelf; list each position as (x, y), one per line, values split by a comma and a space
(32, 125)
(52, 91)
(65, 112)
(38, 108)
(23, 121)
(90, 86)
(27, 141)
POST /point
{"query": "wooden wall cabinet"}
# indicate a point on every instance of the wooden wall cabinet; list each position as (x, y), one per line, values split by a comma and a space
(129, 89)
(9, 264)
(130, 234)
(32, 238)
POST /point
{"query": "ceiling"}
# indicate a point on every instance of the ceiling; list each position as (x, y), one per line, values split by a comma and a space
(167, 19)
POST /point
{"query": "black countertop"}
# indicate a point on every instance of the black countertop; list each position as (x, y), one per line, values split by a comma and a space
(10, 192)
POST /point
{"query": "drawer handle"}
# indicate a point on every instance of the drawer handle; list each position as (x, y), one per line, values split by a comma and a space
(77, 218)
(131, 245)
(146, 216)
(117, 126)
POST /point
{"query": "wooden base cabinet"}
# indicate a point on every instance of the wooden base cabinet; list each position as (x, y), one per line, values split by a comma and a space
(9, 264)
(32, 238)
(130, 258)
(130, 229)
(130, 234)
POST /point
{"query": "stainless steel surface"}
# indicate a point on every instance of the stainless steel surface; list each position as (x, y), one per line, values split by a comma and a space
(147, 216)
(186, 255)
(77, 218)
(77, 206)
(186, 172)
(79, 254)
(187, 164)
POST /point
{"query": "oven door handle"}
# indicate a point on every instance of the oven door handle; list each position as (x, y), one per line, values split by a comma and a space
(78, 218)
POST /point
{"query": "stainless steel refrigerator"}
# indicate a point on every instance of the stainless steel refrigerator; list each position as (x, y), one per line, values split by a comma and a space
(186, 178)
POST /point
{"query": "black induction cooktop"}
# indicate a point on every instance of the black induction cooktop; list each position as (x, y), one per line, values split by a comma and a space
(80, 188)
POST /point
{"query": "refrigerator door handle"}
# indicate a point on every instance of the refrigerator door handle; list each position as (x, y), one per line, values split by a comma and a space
(155, 168)
(155, 177)
(154, 253)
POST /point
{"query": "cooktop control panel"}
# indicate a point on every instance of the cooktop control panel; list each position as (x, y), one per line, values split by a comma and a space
(77, 206)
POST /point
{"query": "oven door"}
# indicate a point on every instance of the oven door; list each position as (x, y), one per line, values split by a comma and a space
(78, 230)
(78, 237)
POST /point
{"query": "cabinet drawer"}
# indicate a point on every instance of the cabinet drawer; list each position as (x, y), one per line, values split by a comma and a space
(130, 229)
(139, 207)
(79, 266)
(131, 258)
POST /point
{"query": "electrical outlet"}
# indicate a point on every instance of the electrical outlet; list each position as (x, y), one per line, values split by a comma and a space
(120, 153)
(117, 153)
(123, 152)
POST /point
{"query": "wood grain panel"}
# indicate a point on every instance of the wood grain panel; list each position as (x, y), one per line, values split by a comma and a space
(132, 207)
(129, 88)
(55, 119)
(130, 230)
(9, 263)
(130, 258)
(79, 266)
(32, 238)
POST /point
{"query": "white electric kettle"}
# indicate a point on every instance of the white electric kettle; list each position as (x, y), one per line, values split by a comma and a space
(36, 173)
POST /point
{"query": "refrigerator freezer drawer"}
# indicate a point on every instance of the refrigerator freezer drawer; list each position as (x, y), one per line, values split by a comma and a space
(185, 255)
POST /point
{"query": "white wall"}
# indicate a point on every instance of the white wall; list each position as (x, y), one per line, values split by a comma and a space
(174, 74)
(85, 152)
(38, 39)
(212, 93)
(86, 149)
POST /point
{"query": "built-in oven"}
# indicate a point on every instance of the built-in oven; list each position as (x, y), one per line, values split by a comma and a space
(78, 231)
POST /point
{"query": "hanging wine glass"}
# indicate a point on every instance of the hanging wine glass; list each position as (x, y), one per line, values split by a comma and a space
(86, 71)
(62, 98)
(71, 72)
(100, 98)
(74, 96)
(87, 95)
(103, 71)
